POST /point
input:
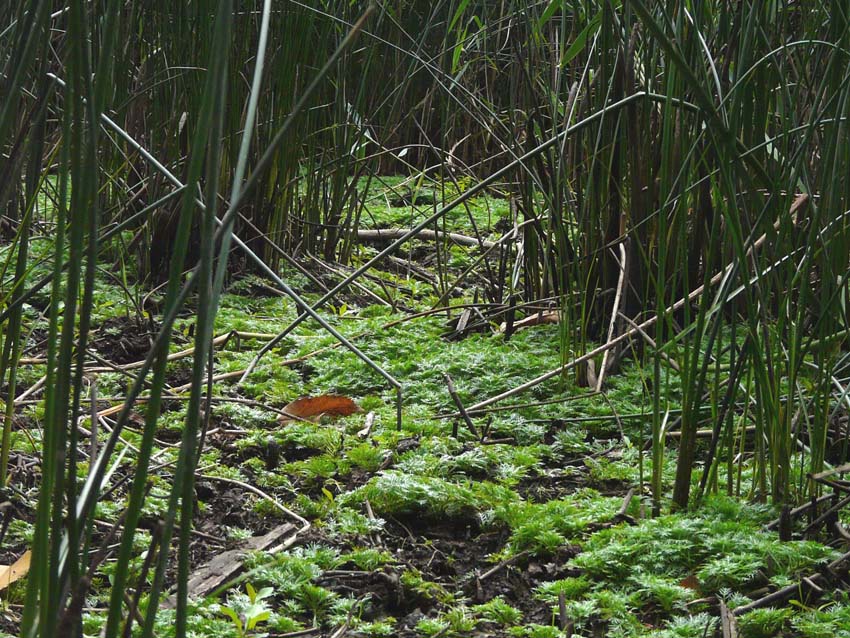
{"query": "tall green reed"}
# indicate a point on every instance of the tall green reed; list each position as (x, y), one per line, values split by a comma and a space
(688, 133)
(59, 580)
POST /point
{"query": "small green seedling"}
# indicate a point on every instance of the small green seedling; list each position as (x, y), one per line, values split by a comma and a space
(254, 613)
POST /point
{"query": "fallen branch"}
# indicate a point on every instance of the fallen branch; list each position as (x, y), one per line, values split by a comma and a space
(218, 341)
(704, 434)
(827, 473)
(781, 595)
(716, 279)
(225, 566)
(826, 515)
(511, 234)
(305, 524)
(391, 234)
(805, 507)
(224, 376)
(651, 343)
(728, 624)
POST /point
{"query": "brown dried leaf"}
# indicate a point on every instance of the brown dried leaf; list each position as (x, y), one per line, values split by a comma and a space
(690, 582)
(313, 408)
(17, 570)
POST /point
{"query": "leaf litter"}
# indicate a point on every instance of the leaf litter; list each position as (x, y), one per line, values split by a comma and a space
(418, 533)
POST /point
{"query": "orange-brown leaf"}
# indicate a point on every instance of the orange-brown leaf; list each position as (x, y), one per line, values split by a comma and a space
(313, 408)
(691, 582)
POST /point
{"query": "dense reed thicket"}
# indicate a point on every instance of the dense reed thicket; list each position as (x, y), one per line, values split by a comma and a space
(656, 152)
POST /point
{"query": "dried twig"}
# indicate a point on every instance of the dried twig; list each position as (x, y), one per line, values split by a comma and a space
(376, 537)
(460, 407)
(694, 294)
(389, 234)
(651, 342)
(781, 595)
(509, 561)
(220, 340)
(621, 280)
(824, 517)
(621, 513)
(305, 524)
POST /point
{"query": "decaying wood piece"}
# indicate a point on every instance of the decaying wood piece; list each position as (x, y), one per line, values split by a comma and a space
(728, 624)
(227, 565)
